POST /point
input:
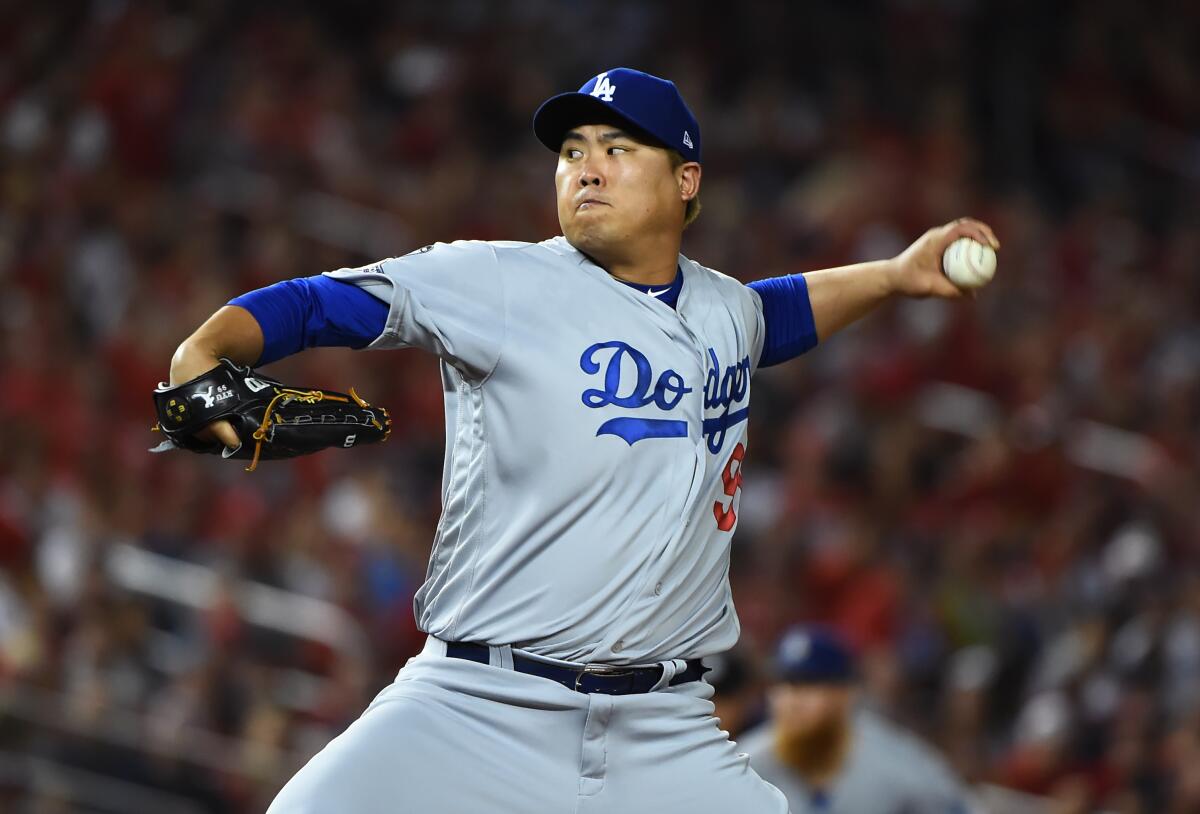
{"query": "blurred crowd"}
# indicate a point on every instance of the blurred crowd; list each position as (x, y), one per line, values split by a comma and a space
(995, 500)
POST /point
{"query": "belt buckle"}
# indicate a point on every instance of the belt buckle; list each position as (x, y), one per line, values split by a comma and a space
(601, 670)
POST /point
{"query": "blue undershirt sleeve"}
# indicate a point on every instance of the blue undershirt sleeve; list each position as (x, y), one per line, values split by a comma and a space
(787, 318)
(310, 312)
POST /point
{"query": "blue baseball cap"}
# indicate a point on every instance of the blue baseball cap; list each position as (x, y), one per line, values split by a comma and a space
(814, 655)
(648, 104)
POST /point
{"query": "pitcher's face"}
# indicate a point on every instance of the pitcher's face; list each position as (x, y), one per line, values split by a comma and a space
(613, 188)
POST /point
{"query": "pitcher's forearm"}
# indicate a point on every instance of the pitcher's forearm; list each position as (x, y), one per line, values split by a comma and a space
(231, 332)
(840, 296)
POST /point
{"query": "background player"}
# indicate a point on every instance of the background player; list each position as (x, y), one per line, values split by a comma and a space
(597, 390)
(827, 751)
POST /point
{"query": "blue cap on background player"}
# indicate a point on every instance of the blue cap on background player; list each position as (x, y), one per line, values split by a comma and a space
(646, 103)
(813, 655)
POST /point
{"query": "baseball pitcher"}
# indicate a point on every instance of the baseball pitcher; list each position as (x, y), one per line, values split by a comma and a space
(597, 386)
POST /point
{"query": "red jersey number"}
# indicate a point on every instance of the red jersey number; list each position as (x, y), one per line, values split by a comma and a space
(731, 476)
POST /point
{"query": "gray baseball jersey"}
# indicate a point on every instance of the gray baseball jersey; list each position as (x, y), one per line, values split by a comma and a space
(594, 444)
(887, 771)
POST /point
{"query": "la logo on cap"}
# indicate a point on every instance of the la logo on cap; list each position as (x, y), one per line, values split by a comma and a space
(797, 646)
(604, 89)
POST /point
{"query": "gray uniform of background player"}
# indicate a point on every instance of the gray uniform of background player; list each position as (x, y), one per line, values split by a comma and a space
(887, 771)
(565, 534)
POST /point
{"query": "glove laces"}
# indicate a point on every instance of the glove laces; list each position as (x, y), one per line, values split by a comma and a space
(287, 394)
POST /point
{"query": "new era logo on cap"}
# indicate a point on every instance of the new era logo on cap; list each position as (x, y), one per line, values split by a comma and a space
(650, 105)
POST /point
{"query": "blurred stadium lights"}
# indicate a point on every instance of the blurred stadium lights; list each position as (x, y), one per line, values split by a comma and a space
(88, 791)
(1089, 444)
(1114, 451)
(957, 409)
(199, 586)
(119, 728)
(330, 219)
(999, 800)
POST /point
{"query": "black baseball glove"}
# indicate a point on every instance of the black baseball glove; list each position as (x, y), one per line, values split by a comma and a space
(271, 419)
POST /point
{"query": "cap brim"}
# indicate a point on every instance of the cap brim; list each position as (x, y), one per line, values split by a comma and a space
(560, 113)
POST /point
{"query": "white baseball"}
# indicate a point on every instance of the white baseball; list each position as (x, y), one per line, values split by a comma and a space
(969, 263)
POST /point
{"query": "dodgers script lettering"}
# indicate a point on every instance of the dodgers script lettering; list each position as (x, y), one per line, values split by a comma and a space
(629, 381)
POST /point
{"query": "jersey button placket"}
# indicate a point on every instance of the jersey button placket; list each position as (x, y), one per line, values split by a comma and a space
(658, 589)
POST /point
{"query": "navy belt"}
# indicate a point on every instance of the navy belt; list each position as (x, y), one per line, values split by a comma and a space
(598, 678)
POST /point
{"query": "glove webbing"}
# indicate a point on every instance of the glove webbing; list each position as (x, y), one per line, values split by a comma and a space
(306, 396)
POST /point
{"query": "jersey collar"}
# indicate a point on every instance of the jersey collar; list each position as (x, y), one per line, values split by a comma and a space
(667, 295)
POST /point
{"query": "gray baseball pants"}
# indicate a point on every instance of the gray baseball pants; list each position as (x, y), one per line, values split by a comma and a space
(450, 736)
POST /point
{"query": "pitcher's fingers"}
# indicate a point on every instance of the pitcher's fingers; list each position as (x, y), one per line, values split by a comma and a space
(225, 434)
(947, 290)
(974, 229)
(219, 431)
(993, 241)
